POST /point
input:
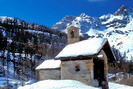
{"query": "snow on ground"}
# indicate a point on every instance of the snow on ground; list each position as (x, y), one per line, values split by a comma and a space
(68, 84)
(119, 86)
(4, 82)
(57, 84)
(130, 25)
(48, 64)
(112, 18)
(37, 32)
(123, 43)
(92, 32)
(12, 82)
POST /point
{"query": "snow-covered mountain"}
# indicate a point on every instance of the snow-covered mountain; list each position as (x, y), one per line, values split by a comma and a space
(119, 19)
(84, 22)
(61, 25)
(117, 27)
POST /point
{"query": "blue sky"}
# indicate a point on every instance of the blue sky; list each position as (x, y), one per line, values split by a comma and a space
(48, 12)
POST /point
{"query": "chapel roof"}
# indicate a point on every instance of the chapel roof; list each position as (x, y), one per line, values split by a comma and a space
(83, 48)
(49, 64)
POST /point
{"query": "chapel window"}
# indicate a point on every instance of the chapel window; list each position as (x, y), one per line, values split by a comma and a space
(72, 34)
(77, 68)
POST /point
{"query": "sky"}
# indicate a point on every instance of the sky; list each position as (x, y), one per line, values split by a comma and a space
(48, 12)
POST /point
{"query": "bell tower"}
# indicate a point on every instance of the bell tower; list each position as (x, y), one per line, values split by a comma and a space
(73, 34)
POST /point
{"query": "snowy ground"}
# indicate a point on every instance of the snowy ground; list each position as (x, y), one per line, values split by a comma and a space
(9, 82)
(119, 86)
(68, 84)
(12, 82)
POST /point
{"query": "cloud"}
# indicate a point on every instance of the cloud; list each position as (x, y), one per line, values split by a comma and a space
(96, 0)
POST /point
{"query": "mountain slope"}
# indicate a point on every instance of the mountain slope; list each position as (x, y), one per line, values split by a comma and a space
(119, 19)
(84, 22)
(118, 25)
(66, 21)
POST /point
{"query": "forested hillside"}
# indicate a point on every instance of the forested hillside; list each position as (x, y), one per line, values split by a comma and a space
(24, 45)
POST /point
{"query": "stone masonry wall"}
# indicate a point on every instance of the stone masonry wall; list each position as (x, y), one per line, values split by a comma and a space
(81, 70)
(45, 74)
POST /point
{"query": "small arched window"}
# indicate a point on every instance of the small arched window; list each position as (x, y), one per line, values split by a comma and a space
(77, 68)
(72, 34)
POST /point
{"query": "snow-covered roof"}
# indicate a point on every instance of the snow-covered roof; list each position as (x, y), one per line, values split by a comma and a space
(82, 48)
(49, 64)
